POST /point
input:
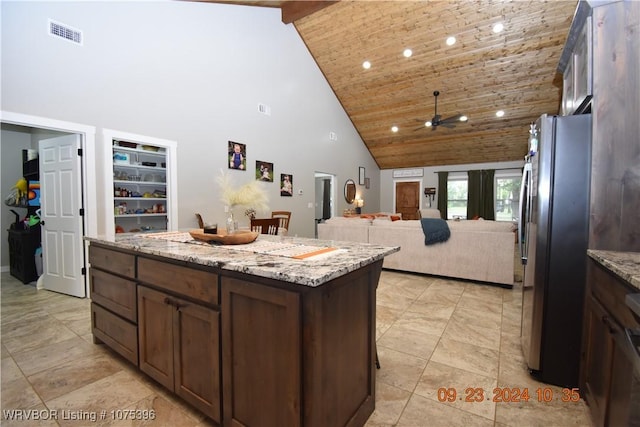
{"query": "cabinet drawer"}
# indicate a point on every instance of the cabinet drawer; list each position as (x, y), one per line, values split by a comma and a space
(196, 284)
(611, 292)
(114, 261)
(115, 332)
(115, 293)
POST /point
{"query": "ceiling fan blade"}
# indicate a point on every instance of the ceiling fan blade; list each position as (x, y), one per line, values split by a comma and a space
(452, 119)
(448, 125)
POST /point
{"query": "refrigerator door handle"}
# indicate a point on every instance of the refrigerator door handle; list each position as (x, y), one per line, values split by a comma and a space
(524, 204)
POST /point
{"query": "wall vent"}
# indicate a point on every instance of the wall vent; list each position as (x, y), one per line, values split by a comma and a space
(264, 109)
(64, 31)
(333, 136)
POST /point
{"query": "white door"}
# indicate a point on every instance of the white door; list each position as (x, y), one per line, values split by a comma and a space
(60, 194)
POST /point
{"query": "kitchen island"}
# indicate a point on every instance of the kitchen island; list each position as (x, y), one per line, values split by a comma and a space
(278, 332)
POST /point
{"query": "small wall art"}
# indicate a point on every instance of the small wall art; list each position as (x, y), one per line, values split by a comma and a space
(237, 156)
(286, 185)
(264, 171)
(361, 175)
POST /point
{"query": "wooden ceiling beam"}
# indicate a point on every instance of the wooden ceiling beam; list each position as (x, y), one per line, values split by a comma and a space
(294, 10)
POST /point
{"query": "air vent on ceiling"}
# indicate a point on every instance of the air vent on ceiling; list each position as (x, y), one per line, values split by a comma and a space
(66, 32)
(264, 109)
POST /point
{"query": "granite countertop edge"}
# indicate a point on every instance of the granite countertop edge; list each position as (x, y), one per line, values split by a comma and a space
(624, 264)
(310, 273)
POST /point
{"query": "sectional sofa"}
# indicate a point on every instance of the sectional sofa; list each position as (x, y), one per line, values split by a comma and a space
(476, 250)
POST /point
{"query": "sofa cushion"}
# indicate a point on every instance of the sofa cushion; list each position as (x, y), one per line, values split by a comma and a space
(430, 213)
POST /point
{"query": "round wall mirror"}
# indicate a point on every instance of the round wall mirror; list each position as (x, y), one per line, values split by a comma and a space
(349, 191)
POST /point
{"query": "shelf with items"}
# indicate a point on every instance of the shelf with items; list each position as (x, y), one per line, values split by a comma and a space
(143, 182)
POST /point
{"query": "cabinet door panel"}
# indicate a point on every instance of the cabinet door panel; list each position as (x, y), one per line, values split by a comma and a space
(155, 322)
(261, 355)
(197, 357)
(597, 359)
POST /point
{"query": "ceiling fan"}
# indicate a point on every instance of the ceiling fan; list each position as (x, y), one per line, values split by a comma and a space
(437, 119)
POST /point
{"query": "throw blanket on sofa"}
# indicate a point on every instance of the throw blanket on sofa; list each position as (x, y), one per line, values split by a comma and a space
(435, 230)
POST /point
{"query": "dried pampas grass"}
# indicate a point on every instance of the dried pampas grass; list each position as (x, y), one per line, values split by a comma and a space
(250, 195)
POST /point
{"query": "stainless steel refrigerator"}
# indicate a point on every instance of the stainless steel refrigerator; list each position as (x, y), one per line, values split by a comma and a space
(553, 236)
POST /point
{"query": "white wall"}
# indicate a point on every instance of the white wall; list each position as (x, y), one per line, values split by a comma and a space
(195, 73)
(429, 178)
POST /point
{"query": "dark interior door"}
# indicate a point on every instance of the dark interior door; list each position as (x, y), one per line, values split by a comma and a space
(408, 199)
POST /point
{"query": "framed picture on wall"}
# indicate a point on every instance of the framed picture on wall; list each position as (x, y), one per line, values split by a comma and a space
(361, 175)
(286, 185)
(237, 156)
(367, 183)
(264, 171)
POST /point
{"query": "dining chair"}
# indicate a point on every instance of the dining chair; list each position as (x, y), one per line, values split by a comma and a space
(284, 217)
(265, 225)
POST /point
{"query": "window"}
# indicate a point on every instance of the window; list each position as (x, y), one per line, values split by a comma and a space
(507, 194)
(457, 186)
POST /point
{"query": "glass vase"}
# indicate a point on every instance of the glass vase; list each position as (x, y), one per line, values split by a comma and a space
(231, 225)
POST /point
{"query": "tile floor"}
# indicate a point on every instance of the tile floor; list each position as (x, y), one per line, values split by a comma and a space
(433, 334)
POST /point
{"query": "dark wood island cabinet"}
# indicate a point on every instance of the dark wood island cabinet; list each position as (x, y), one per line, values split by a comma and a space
(609, 377)
(248, 339)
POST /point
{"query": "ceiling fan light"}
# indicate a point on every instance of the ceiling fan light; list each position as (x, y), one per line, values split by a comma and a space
(407, 53)
(427, 124)
(499, 113)
(451, 41)
(366, 65)
(394, 129)
(464, 118)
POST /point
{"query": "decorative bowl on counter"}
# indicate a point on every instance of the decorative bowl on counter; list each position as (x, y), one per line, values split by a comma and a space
(240, 237)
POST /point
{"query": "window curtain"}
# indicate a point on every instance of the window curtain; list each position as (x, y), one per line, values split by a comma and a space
(480, 194)
(474, 194)
(442, 194)
(488, 205)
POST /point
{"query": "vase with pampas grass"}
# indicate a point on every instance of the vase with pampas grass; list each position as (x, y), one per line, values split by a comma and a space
(250, 195)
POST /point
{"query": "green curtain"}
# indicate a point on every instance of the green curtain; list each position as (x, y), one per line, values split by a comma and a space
(480, 194)
(442, 193)
(474, 194)
(488, 204)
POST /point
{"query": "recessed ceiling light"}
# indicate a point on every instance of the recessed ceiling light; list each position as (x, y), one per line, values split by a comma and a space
(464, 118)
(499, 113)
(451, 41)
(394, 129)
(407, 53)
(366, 65)
(427, 124)
(498, 27)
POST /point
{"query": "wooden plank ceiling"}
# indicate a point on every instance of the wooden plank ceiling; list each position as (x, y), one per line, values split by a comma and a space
(483, 72)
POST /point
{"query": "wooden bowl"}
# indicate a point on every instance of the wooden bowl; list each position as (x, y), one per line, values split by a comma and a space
(240, 237)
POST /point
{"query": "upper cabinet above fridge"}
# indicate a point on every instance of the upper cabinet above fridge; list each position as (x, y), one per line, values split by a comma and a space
(576, 64)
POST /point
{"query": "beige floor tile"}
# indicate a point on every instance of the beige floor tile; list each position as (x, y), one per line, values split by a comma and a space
(423, 412)
(485, 309)
(469, 357)
(472, 327)
(458, 388)
(510, 344)
(422, 322)
(114, 392)
(72, 375)
(48, 356)
(30, 336)
(390, 402)
(410, 341)
(399, 369)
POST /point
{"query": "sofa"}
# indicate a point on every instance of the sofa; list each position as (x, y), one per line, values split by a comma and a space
(478, 250)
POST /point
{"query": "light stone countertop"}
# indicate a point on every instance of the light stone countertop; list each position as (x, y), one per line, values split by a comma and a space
(309, 272)
(624, 264)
